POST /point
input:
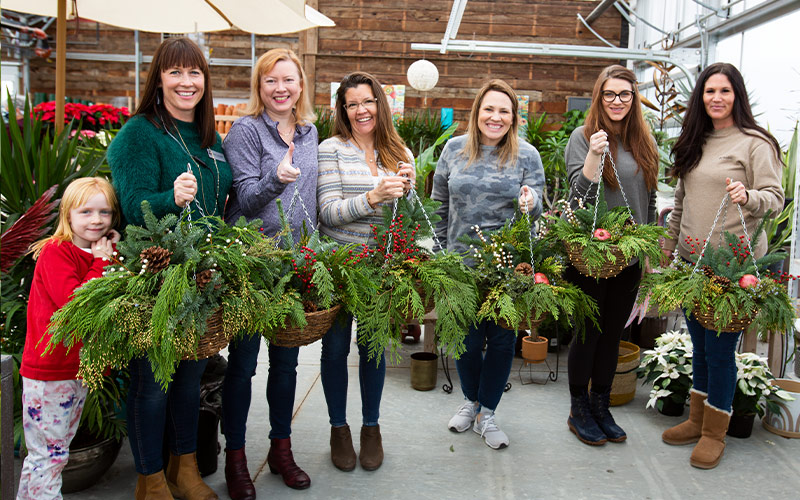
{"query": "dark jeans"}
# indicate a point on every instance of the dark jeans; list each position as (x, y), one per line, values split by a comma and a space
(333, 370)
(713, 363)
(595, 357)
(237, 389)
(151, 409)
(484, 377)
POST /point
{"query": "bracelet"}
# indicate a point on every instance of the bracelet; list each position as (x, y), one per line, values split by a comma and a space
(371, 205)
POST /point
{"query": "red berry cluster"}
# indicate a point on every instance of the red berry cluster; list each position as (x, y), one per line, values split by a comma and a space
(782, 277)
(305, 271)
(695, 244)
(365, 253)
(403, 244)
(740, 250)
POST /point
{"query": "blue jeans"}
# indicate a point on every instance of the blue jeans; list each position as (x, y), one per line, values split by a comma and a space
(483, 378)
(237, 389)
(333, 369)
(150, 410)
(713, 363)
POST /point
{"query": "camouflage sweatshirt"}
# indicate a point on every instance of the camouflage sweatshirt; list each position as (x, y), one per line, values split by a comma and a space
(482, 193)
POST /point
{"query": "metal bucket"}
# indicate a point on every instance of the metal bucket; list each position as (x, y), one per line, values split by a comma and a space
(423, 370)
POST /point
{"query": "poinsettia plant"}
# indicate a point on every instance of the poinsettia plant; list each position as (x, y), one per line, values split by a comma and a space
(725, 284)
(597, 238)
(163, 283)
(410, 280)
(519, 279)
(753, 384)
(669, 368)
(95, 117)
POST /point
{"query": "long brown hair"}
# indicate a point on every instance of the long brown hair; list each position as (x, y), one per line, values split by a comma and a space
(303, 111)
(508, 148)
(697, 124)
(391, 148)
(184, 53)
(633, 129)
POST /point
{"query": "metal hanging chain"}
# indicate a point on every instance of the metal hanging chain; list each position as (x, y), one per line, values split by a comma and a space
(724, 205)
(295, 197)
(530, 233)
(414, 199)
(606, 154)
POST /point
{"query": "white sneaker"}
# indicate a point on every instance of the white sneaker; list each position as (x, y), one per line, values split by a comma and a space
(491, 434)
(463, 417)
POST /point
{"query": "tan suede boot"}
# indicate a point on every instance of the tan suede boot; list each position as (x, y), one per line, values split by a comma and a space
(708, 451)
(371, 452)
(689, 431)
(152, 487)
(343, 455)
(184, 479)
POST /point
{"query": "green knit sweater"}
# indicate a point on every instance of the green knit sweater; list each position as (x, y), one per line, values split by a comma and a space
(145, 161)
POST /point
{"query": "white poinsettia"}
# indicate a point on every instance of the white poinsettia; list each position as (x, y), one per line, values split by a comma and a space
(655, 395)
(754, 382)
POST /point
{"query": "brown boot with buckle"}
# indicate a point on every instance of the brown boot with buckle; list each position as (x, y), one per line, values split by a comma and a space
(371, 453)
(237, 477)
(281, 461)
(184, 481)
(152, 487)
(689, 431)
(343, 455)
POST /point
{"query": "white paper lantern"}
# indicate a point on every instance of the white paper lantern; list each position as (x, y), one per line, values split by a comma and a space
(422, 75)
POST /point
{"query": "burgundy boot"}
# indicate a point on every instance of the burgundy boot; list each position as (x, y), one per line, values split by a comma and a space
(281, 461)
(240, 486)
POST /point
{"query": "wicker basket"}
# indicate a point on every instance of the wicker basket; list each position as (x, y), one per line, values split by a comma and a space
(607, 270)
(213, 341)
(523, 325)
(737, 324)
(317, 325)
(623, 388)
(429, 304)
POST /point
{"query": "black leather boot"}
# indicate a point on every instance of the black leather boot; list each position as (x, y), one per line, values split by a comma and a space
(598, 405)
(581, 422)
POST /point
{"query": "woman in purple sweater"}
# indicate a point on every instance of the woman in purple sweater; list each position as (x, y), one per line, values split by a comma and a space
(272, 151)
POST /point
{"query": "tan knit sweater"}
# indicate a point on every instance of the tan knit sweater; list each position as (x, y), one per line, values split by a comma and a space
(727, 153)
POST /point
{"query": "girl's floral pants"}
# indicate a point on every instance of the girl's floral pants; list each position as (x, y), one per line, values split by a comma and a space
(51, 411)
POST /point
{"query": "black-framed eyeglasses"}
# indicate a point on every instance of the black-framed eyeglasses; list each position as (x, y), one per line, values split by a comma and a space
(624, 96)
(367, 103)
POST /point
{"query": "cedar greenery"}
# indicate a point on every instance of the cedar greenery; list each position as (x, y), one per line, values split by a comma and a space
(631, 239)
(713, 286)
(132, 311)
(508, 287)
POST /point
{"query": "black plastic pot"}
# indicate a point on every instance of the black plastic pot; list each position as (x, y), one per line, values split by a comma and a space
(667, 406)
(741, 425)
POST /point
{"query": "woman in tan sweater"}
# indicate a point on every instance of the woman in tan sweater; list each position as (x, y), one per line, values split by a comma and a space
(721, 151)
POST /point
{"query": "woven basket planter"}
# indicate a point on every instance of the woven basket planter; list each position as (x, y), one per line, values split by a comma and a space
(607, 270)
(317, 325)
(737, 324)
(523, 325)
(214, 339)
(623, 388)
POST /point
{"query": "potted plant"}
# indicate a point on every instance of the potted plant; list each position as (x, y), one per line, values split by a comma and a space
(669, 368)
(519, 282)
(753, 384)
(725, 288)
(600, 242)
(175, 289)
(410, 280)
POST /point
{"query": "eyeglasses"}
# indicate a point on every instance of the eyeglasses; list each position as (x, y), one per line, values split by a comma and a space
(367, 103)
(624, 96)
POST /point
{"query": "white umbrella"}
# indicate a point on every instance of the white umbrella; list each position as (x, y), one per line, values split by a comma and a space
(264, 17)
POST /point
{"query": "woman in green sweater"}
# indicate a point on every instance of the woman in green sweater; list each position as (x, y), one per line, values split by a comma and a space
(170, 155)
(721, 152)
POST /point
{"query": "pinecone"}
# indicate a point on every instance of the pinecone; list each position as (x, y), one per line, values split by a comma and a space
(155, 259)
(203, 278)
(722, 281)
(524, 269)
(708, 271)
(309, 306)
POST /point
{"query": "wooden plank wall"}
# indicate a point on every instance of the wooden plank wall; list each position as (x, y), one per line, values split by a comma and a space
(375, 36)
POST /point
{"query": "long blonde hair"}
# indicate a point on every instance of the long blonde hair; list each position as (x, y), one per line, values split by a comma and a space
(303, 111)
(508, 148)
(76, 195)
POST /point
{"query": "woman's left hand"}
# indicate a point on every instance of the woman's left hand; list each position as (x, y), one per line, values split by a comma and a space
(525, 199)
(737, 191)
(407, 170)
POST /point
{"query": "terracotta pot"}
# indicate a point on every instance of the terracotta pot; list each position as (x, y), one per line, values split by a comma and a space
(785, 422)
(534, 351)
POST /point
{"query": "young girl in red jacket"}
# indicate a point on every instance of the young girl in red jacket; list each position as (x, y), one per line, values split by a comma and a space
(52, 397)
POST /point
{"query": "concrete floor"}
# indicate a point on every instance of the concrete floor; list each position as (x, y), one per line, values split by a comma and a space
(544, 460)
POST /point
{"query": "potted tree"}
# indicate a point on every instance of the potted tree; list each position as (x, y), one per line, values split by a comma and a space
(669, 368)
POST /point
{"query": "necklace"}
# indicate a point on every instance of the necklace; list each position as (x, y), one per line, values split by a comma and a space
(287, 135)
(204, 209)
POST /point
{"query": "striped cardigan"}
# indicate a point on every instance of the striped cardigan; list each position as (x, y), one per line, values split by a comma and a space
(343, 179)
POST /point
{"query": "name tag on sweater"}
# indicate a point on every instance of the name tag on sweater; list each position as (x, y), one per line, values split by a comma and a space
(216, 155)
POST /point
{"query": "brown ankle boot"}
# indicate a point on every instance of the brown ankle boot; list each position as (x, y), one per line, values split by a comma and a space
(708, 451)
(371, 453)
(343, 455)
(689, 431)
(237, 477)
(281, 461)
(184, 479)
(152, 487)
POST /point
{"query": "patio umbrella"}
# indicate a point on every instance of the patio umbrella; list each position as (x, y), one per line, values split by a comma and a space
(263, 17)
